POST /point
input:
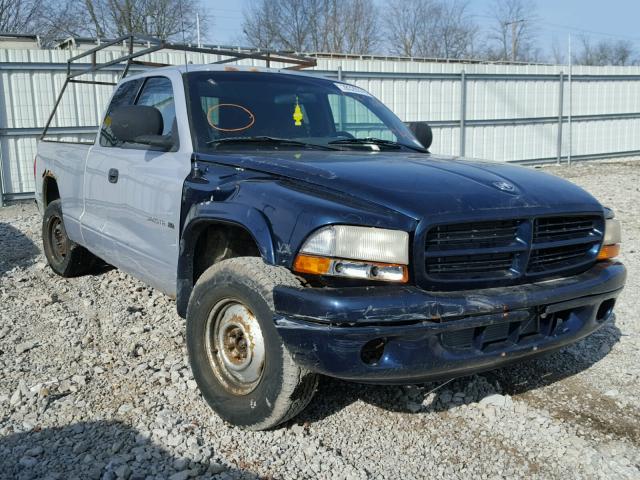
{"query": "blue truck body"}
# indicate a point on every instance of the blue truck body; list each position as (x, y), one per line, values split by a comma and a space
(281, 199)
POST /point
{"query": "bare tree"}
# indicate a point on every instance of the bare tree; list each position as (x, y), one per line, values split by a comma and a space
(47, 18)
(259, 26)
(430, 28)
(281, 24)
(605, 52)
(360, 26)
(512, 35)
(166, 19)
(405, 22)
(456, 29)
(20, 16)
(346, 26)
(96, 17)
(557, 54)
(53, 19)
(61, 19)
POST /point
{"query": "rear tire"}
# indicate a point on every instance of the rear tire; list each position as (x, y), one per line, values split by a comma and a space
(240, 364)
(66, 258)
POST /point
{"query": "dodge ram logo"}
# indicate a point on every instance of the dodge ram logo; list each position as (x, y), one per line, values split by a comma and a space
(504, 186)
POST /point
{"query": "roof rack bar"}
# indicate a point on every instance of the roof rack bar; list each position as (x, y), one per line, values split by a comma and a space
(124, 58)
(265, 55)
(146, 38)
(55, 107)
(102, 46)
(92, 82)
(270, 57)
(297, 61)
(149, 64)
(223, 61)
(126, 68)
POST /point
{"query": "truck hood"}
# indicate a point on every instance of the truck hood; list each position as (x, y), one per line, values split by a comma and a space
(421, 184)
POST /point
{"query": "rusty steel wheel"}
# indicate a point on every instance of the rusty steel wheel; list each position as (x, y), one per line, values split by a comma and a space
(58, 238)
(65, 257)
(242, 368)
(235, 346)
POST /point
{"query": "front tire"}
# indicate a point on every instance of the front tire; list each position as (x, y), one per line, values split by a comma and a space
(242, 368)
(66, 258)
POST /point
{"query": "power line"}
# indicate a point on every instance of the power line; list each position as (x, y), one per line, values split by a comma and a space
(568, 28)
(592, 32)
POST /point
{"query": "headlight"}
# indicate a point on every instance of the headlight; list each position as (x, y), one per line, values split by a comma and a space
(356, 252)
(612, 237)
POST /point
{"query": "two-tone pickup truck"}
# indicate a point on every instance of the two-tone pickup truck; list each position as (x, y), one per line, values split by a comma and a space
(305, 230)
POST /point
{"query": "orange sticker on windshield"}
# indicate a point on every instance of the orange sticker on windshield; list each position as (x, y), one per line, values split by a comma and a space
(251, 119)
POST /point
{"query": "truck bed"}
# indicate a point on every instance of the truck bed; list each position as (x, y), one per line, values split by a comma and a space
(68, 161)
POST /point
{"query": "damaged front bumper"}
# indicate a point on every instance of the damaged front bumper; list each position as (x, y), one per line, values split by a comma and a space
(402, 334)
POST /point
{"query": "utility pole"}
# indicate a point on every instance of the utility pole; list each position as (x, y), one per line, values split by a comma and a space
(514, 36)
(569, 119)
(198, 29)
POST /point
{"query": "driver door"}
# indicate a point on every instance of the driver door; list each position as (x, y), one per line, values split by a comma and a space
(153, 181)
(146, 222)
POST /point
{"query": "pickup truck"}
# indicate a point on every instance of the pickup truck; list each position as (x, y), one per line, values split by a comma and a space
(304, 230)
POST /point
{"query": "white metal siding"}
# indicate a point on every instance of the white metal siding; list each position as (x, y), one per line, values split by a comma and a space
(31, 79)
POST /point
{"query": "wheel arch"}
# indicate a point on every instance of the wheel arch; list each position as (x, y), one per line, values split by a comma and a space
(240, 221)
(50, 189)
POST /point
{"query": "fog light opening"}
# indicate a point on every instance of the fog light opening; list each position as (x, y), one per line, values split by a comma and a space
(372, 351)
(605, 309)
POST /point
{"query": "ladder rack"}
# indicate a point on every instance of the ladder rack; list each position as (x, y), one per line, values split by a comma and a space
(151, 45)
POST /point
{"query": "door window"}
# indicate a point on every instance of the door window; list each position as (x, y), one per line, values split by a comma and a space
(354, 118)
(125, 95)
(158, 92)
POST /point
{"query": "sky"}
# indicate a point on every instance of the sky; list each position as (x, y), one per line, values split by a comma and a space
(598, 19)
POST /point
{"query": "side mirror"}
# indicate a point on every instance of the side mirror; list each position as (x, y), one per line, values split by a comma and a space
(140, 124)
(422, 132)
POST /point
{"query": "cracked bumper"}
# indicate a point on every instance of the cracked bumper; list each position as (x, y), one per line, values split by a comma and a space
(431, 335)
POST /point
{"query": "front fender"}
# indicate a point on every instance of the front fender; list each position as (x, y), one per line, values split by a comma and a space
(279, 214)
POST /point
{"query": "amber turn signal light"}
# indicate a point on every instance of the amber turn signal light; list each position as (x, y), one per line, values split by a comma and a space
(312, 264)
(609, 251)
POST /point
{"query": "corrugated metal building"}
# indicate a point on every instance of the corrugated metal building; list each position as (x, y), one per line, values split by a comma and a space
(498, 112)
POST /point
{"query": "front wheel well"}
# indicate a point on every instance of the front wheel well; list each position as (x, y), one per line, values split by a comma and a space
(221, 241)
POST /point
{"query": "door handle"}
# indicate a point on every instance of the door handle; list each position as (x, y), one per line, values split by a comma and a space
(113, 175)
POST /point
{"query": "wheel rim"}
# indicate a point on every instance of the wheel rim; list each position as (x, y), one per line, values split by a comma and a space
(235, 346)
(58, 239)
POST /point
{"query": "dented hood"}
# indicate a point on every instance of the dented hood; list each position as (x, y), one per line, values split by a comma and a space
(421, 184)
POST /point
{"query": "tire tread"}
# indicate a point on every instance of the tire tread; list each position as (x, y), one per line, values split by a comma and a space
(298, 384)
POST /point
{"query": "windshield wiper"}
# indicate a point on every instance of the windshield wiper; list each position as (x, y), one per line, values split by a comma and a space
(268, 140)
(374, 141)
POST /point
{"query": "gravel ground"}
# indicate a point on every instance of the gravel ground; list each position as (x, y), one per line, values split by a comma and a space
(95, 384)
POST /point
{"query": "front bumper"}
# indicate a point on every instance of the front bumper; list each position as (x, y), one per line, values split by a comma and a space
(402, 334)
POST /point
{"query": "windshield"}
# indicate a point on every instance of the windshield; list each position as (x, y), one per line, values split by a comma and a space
(262, 110)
